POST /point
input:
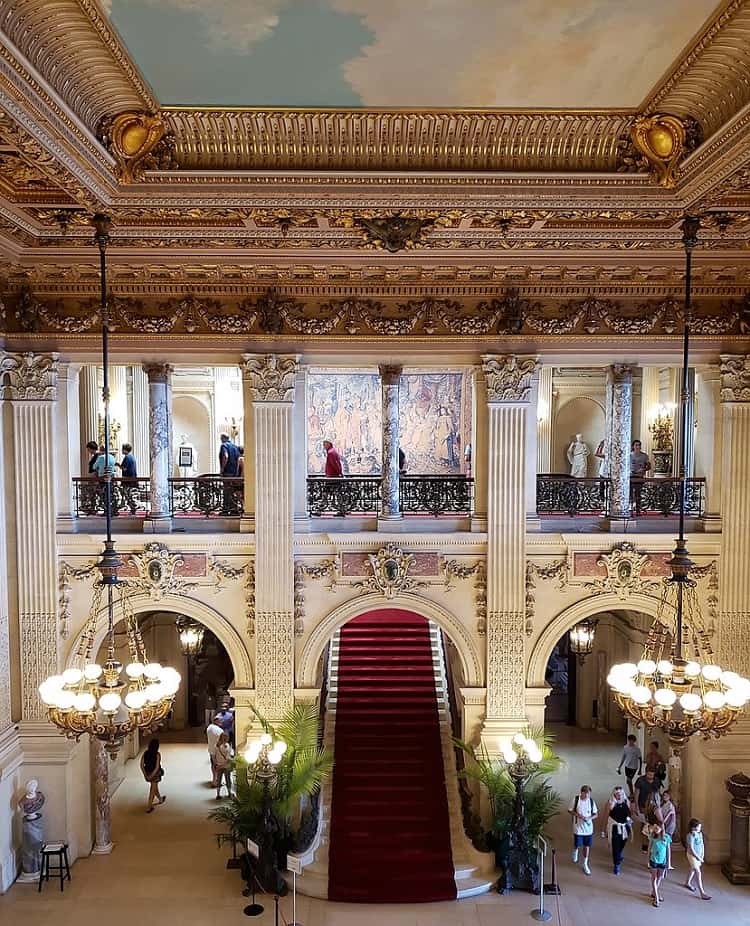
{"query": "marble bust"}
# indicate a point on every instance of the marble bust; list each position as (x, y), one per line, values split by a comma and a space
(578, 454)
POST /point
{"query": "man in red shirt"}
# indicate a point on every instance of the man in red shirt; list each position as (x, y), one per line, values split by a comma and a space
(333, 460)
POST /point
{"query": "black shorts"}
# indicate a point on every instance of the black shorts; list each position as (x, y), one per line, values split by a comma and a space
(657, 866)
(630, 773)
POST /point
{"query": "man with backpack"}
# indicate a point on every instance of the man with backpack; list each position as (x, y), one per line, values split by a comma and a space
(583, 811)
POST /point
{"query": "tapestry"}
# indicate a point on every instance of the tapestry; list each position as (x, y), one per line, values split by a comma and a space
(434, 419)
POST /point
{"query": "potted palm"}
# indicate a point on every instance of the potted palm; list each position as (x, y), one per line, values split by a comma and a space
(271, 812)
(521, 807)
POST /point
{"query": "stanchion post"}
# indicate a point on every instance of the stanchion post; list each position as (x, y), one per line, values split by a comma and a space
(541, 915)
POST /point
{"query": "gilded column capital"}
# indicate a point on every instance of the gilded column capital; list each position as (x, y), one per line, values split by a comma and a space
(508, 377)
(390, 375)
(28, 376)
(158, 372)
(621, 373)
(735, 377)
(270, 376)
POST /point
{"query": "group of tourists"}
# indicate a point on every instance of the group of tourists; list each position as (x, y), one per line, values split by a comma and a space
(220, 738)
(648, 807)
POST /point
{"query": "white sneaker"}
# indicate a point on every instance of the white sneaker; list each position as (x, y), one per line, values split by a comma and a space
(586, 869)
(575, 856)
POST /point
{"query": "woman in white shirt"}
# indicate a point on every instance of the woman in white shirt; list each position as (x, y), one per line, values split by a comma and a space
(584, 811)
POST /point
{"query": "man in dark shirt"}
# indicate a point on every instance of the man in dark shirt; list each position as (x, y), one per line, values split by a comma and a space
(229, 467)
(129, 472)
(647, 789)
(91, 496)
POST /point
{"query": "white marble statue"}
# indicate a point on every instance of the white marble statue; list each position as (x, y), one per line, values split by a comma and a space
(186, 472)
(578, 457)
(33, 830)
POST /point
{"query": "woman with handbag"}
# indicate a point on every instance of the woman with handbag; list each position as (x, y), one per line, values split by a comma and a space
(153, 773)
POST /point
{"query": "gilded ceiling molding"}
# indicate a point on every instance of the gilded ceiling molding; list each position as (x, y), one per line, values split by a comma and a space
(28, 376)
(710, 82)
(138, 142)
(735, 378)
(664, 140)
(270, 377)
(508, 377)
(329, 139)
(72, 45)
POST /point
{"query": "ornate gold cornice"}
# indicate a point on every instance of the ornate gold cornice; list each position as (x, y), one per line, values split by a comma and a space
(78, 53)
(709, 82)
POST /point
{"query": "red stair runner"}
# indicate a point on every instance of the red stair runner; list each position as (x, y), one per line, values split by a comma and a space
(390, 832)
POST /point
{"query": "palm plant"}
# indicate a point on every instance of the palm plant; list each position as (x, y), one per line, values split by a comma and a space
(541, 801)
(299, 774)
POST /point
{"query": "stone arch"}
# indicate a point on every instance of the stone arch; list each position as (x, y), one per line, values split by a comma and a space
(190, 607)
(572, 615)
(471, 662)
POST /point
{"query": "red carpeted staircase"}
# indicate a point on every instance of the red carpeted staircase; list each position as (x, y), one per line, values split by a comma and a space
(390, 829)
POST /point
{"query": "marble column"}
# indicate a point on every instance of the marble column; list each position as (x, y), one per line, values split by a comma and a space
(479, 459)
(5, 527)
(390, 380)
(649, 403)
(247, 522)
(620, 381)
(90, 398)
(709, 442)
(102, 810)
(734, 587)
(30, 388)
(544, 421)
(68, 430)
(271, 384)
(509, 381)
(160, 427)
(139, 426)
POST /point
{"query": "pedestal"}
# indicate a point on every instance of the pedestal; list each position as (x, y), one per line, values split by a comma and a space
(102, 810)
(737, 868)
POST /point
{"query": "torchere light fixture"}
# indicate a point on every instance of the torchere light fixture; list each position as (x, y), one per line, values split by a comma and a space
(106, 701)
(581, 638)
(677, 686)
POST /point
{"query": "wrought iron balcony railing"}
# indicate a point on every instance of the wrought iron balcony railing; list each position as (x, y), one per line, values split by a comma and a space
(129, 496)
(435, 494)
(347, 495)
(352, 495)
(567, 495)
(209, 496)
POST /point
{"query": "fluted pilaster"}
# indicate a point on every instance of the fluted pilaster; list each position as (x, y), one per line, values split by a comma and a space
(649, 402)
(544, 421)
(31, 390)
(709, 443)
(118, 406)
(68, 427)
(509, 382)
(90, 400)
(734, 586)
(270, 382)
(139, 418)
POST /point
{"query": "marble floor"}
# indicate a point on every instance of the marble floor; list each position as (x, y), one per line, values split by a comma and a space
(166, 868)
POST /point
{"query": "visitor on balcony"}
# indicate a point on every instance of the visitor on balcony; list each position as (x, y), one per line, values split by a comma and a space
(229, 465)
(241, 463)
(93, 449)
(129, 472)
(333, 461)
(639, 461)
(105, 463)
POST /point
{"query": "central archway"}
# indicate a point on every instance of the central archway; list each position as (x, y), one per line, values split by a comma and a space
(472, 662)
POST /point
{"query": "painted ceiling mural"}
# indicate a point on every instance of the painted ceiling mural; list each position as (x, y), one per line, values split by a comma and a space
(406, 53)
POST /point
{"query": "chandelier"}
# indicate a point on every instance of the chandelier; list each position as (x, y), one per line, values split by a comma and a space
(107, 701)
(191, 636)
(677, 685)
(581, 638)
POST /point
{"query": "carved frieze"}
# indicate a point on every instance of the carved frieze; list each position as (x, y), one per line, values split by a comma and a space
(28, 376)
(735, 378)
(453, 569)
(508, 377)
(390, 568)
(624, 565)
(270, 376)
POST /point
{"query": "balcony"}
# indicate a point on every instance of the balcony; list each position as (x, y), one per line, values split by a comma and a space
(569, 497)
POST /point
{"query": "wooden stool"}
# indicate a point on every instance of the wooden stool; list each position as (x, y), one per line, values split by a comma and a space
(58, 850)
